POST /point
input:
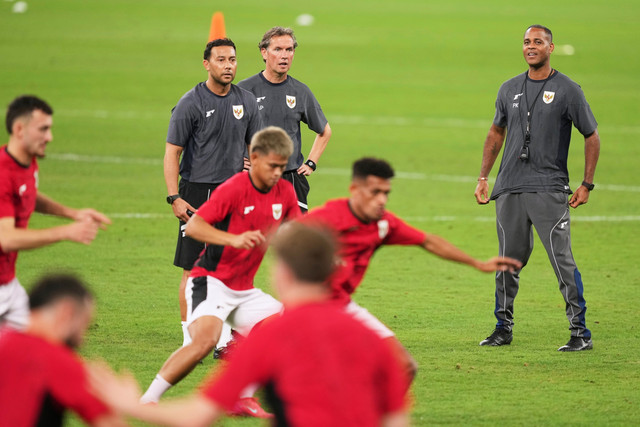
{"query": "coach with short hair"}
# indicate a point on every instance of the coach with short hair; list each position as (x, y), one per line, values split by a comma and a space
(538, 108)
(210, 127)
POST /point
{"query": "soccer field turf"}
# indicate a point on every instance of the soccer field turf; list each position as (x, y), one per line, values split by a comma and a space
(411, 81)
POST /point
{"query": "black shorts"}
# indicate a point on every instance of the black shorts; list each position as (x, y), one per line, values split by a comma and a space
(301, 185)
(187, 249)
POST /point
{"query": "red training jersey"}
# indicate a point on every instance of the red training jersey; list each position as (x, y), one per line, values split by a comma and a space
(39, 380)
(326, 370)
(359, 240)
(18, 192)
(237, 206)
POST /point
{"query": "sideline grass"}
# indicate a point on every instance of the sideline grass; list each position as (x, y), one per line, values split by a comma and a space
(411, 81)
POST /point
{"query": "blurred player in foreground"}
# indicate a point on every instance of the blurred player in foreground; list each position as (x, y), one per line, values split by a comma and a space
(41, 375)
(29, 120)
(321, 367)
(234, 223)
(363, 225)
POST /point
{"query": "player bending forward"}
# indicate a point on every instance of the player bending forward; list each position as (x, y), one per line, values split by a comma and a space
(234, 223)
(363, 225)
(321, 366)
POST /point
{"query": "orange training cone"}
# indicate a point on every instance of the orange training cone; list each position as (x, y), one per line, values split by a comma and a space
(217, 30)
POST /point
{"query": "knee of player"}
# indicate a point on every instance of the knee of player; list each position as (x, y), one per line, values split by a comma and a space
(203, 346)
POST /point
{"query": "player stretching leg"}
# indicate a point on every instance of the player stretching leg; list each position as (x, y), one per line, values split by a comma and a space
(234, 223)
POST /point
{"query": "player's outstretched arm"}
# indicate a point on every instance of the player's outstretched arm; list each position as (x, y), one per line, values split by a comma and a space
(122, 394)
(199, 229)
(492, 147)
(399, 419)
(47, 205)
(14, 239)
(442, 248)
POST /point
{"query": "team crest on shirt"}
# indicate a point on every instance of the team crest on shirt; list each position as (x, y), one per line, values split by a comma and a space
(276, 208)
(383, 228)
(238, 111)
(291, 101)
(547, 97)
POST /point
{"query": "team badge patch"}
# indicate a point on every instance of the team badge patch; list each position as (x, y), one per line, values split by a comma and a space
(238, 111)
(276, 208)
(547, 97)
(383, 228)
(291, 101)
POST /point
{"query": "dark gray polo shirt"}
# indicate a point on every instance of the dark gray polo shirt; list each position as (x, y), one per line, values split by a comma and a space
(214, 131)
(285, 105)
(560, 104)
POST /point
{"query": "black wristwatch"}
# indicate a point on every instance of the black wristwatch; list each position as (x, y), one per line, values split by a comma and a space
(171, 199)
(588, 186)
(313, 165)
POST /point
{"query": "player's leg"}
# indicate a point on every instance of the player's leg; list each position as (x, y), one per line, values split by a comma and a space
(551, 218)
(515, 240)
(207, 308)
(14, 305)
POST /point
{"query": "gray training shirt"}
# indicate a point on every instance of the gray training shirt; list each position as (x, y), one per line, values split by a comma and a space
(214, 131)
(560, 103)
(285, 105)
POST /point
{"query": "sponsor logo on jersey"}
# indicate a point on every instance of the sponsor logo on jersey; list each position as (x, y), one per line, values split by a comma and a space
(238, 111)
(37, 178)
(248, 209)
(260, 98)
(209, 113)
(383, 228)
(22, 189)
(291, 101)
(564, 224)
(547, 97)
(518, 95)
(276, 208)
(515, 105)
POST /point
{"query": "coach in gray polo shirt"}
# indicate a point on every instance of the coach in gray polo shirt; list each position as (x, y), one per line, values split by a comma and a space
(285, 102)
(210, 128)
(538, 109)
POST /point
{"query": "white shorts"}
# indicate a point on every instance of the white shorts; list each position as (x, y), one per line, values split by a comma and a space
(368, 320)
(208, 296)
(14, 305)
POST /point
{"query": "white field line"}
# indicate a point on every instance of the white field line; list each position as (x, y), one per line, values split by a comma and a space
(416, 176)
(448, 218)
(438, 122)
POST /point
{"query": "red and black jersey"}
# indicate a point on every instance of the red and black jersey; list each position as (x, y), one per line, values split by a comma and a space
(18, 192)
(40, 380)
(326, 370)
(235, 207)
(359, 240)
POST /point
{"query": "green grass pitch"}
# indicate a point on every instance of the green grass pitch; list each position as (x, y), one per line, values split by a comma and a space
(411, 81)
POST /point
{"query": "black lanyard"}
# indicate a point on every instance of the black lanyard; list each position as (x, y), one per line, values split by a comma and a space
(527, 131)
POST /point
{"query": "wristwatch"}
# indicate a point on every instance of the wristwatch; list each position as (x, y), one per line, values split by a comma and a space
(173, 198)
(313, 165)
(588, 186)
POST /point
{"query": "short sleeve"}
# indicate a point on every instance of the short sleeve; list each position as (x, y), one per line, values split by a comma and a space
(7, 209)
(313, 115)
(255, 119)
(181, 123)
(500, 118)
(401, 233)
(580, 114)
